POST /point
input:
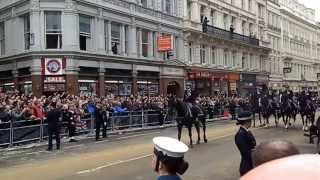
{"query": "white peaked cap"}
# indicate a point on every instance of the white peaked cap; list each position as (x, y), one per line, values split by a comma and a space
(170, 146)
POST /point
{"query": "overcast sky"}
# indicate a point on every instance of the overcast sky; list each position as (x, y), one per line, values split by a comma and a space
(314, 4)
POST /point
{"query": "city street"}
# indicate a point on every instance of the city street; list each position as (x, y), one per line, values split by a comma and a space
(128, 156)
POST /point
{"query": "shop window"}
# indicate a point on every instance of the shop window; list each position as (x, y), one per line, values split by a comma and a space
(145, 42)
(2, 39)
(85, 32)
(118, 87)
(26, 24)
(115, 38)
(87, 87)
(53, 30)
(148, 87)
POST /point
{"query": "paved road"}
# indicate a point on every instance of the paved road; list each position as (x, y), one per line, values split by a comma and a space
(129, 156)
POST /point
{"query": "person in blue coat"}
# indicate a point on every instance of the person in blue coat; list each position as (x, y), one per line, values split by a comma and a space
(245, 142)
(168, 158)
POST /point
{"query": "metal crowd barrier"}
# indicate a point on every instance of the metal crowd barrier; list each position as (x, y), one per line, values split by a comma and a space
(26, 131)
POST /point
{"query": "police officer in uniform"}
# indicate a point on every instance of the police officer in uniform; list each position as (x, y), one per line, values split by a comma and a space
(245, 142)
(168, 158)
(100, 117)
(54, 117)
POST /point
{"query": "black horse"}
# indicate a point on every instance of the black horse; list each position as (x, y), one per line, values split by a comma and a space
(189, 114)
(307, 112)
(289, 111)
(255, 108)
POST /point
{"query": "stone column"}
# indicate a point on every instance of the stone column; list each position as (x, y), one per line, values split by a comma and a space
(132, 38)
(185, 9)
(155, 47)
(37, 81)
(109, 44)
(139, 40)
(15, 79)
(100, 35)
(150, 45)
(72, 82)
(101, 83)
(34, 25)
(195, 11)
(70, 25)
(134, 81)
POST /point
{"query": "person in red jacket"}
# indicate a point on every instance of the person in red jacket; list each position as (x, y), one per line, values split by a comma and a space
(37, 111)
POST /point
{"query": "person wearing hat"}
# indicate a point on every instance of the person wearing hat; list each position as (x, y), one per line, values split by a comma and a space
(245, 142)
(168, 158)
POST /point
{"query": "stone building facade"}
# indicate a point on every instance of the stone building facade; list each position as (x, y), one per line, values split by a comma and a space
(91, 47)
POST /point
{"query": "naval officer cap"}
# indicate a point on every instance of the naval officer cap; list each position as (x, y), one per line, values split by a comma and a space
(170, 147)
(244, 116)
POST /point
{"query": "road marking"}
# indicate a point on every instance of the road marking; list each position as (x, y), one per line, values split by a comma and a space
(109, 164)
(137, 135)
(75, 146)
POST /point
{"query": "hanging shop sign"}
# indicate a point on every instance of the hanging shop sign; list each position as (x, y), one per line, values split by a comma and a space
(53, 66)
(165, 43)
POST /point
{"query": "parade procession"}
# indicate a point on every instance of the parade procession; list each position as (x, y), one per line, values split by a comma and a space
(160, 89)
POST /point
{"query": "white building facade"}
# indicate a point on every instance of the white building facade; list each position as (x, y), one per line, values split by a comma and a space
(91, 46)
(221, 61)
(299, 45)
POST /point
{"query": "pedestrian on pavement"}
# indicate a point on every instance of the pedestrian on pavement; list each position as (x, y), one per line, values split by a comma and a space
(54, 118)
(245, 141)
(168, 158)
(271, 150)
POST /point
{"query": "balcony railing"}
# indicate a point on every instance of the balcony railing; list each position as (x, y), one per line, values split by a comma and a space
(221, 33)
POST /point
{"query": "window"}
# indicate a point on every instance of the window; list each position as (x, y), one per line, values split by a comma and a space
(144, 3)
(2, 39)
(202, 15)
(225, 21)
(249, 5)
(26, 25)
(243, 62)
(202, 54)
(243, 27)
(212, 14)
(251, 61)
(234, 53)
(145, 42)
(225, 58)
(242, 4)
(53, 30)
(85, 32)
(190, 52)
(213, 55)
(168, 6)
(115, 38)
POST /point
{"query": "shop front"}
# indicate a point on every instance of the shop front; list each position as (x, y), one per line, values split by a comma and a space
(118, 82)
(148, 83)
(213, 83)
(7, 82)
(247, 84)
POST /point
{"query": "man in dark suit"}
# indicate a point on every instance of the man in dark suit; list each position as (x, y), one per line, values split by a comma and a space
(100, 120)
(245, 142)
(54, 117)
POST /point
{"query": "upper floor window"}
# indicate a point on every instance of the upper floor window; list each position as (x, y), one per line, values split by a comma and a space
(242, 4)
(115, 38)
(213, 17)
(213, 55)
(249, 5)
(202, 15)
(225, 57)
(85, 32)
(168, 6)
(145, 42)
(26, 31)
(225, 21)
(202, 54)
(2, 39)
(234, 53)
(144, 3)
(53, 30)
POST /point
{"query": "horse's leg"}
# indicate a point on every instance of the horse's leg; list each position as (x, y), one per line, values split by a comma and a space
(302, 118)
(204, 126)
(197, 125)
(260, 116)
(179, 131)
(254, 119)
(190, 135)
